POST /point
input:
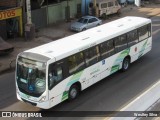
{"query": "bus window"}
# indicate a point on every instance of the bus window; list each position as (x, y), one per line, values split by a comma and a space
(149, 30)
(55, 76)
(107, 49)
(92, 55)
(143, 33)
(120, 43)
(76, 63)
(132, 38)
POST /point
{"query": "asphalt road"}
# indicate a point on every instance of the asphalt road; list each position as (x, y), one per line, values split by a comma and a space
(111, 94)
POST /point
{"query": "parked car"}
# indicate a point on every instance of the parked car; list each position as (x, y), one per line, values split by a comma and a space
(5, 47)
(85, 22)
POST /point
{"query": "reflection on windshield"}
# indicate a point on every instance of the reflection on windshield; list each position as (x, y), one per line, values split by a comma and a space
(82, 20)
(31, 76)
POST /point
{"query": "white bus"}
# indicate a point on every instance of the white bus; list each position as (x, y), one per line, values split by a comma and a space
(51, 73)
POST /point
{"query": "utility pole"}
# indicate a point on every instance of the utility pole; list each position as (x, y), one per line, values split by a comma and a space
(95, 8)
(68, 11)
(29, 27)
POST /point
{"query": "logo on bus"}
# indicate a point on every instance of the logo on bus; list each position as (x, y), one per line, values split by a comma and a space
(31, 87)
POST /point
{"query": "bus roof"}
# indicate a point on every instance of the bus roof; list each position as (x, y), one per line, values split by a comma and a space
(67, 46)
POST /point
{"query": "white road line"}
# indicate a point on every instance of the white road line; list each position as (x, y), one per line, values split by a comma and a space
(142, 102)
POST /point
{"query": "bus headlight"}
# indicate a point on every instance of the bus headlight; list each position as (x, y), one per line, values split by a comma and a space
(42, 99)
(17, 91)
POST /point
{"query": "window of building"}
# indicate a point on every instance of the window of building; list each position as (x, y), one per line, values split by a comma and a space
(76, 63)
(107, 49)
(92, 55)
(143, 33)
(132, 38)
(120, 43)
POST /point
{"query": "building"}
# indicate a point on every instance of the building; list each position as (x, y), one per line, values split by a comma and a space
(10, 18)
(47, 12)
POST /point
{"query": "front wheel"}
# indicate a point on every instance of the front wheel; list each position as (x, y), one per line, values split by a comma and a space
(73, 92)
(104, 16)
(125, 64)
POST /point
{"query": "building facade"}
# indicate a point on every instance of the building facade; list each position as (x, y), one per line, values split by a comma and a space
(47, 12)
(10, 19)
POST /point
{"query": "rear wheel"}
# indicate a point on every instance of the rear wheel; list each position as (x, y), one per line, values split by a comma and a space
(83, 29)
(73, 92)
(119, 12)
(125, 64)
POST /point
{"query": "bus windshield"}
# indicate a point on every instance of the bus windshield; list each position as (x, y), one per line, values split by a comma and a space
(31, 76)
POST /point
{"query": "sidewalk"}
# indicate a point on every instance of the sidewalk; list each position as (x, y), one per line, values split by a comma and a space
(56, 31)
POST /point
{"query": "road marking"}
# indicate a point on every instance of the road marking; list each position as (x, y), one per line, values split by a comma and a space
(155, 32)
(132, 105)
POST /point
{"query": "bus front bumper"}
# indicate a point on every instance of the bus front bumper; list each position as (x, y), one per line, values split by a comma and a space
(43, 105)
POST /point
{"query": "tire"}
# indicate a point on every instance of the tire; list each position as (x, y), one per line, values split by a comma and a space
(73, 92)
(83, 29)
(104, 16)
(119, 12)
(98, 24)
(125, 64)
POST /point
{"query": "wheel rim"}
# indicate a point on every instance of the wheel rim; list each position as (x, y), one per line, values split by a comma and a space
(73, 92)
(126, 64)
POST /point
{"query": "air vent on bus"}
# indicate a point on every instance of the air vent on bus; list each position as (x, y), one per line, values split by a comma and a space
(120, 25)
(49, 51)
(85, 38)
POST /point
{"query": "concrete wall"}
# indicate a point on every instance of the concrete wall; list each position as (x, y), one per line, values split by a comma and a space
(53, 13)
(57, 12)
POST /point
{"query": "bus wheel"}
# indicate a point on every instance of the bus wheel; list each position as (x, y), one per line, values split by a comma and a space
(125, 64)
(73, 92)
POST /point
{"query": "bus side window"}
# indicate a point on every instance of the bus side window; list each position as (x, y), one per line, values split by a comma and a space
(107, 49)
(76, 63)
(120, 43)
(132, 38)
(149, 30)
(92, 55)
(143, 33)
(55, 76)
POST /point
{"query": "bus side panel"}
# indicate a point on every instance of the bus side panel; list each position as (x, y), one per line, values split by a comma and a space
(140, 49)
(56, 93)
(97, 72)
(148, 46)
